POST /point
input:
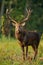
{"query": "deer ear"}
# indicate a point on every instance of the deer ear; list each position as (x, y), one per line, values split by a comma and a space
(23, 24)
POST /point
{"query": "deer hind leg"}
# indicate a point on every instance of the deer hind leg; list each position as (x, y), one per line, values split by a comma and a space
(35, 50)
(26, 51)
(23, 52)
(35, 53)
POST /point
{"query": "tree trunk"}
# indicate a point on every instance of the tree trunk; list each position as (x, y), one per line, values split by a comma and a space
(2, 11)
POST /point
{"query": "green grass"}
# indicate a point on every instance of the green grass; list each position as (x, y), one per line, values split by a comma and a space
(11, 53)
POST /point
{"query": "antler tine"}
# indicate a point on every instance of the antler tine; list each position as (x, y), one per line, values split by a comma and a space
(29, 13)
(8, 13)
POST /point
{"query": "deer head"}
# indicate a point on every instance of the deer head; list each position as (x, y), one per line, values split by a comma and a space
(19, 26)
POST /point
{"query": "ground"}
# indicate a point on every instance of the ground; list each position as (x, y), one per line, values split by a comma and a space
(11, 53)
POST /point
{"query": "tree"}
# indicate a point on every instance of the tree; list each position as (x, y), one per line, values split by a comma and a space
(2, 11)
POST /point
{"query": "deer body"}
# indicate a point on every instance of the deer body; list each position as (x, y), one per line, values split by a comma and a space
(26, 38)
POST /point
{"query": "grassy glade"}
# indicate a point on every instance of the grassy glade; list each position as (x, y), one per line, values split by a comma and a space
(11, 53)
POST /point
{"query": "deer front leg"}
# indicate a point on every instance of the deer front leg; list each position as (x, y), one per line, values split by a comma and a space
(26, 51)
(23, 52)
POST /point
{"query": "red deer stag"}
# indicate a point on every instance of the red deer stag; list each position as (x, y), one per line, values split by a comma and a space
(26, 38)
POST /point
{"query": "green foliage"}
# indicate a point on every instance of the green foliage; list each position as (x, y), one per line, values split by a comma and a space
(18, 12)
(36, 19)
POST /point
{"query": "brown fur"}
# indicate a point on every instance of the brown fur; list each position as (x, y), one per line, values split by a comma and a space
(27, 38)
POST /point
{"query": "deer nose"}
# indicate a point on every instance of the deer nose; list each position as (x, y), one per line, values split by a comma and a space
(17, 31)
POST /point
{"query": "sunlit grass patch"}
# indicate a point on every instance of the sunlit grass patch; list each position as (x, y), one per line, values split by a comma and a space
(11, 53)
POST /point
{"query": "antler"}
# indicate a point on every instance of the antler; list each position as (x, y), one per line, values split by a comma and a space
(7, 13)
(29, 13)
